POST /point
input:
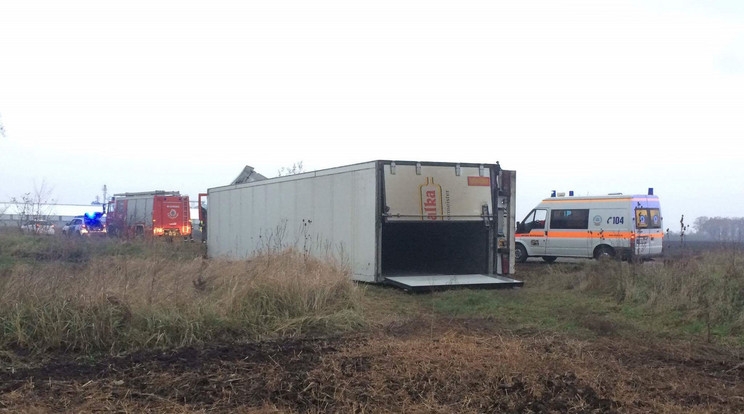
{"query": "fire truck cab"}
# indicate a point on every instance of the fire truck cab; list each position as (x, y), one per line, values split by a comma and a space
(616, 225)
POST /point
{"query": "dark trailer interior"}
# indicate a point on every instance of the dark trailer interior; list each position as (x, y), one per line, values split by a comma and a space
(420, 248)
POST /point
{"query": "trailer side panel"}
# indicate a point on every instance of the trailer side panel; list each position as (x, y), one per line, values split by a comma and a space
(325, 213)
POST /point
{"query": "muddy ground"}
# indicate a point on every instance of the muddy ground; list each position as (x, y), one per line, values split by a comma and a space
(416, 365)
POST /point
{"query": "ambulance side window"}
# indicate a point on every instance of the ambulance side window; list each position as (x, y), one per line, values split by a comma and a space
(535, 220)
(577, 219)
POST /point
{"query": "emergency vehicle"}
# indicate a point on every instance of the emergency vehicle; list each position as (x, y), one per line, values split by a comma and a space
(615, 225)
(151, 213)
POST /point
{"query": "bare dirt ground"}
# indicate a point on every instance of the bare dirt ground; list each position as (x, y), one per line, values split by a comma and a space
(414, 365)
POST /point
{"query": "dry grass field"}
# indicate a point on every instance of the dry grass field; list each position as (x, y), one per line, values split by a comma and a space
(153, 327)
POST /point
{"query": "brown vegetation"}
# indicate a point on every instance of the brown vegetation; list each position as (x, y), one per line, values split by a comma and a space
(131, 327)
(457, 367)
(707, 287)
(119, 303)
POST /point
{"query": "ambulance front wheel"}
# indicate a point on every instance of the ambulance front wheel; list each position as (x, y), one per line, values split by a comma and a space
(520, 254)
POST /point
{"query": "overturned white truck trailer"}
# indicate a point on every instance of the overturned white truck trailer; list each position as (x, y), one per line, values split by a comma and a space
(416, 225)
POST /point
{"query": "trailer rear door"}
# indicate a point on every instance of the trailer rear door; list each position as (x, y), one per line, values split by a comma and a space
(415, 192)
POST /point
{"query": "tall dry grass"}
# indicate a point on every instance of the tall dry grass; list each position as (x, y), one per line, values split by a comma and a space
(119, 303)
(708, 287)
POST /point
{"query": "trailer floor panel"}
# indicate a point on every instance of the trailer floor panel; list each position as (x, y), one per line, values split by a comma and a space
(437, 282)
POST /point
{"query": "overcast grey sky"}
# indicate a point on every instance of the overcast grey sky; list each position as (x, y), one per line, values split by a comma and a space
(590, 96)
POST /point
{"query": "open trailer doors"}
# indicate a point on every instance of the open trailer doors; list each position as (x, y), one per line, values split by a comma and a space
(446, 225)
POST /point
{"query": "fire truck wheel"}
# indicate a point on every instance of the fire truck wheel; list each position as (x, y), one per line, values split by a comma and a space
(520, 254)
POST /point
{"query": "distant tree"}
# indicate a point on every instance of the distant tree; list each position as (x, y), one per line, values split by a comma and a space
(720, 228)
(699, 224)
(23, 207)
(36, 205)
(296, 168)
(3, 208)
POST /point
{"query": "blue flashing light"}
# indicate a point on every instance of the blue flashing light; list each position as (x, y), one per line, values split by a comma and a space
(552, 193)
(650, 191)
(93, 216)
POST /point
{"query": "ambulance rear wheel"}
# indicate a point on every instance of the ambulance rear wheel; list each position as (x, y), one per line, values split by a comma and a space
(520, 254)
(549, 259)
(604, 252)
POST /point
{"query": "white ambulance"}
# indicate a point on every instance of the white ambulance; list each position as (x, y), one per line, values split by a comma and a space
(615, 225)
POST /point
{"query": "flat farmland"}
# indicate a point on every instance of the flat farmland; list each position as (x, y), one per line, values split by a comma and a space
(154, 327)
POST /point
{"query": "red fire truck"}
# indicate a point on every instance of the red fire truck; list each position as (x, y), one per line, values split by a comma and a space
(150, 213)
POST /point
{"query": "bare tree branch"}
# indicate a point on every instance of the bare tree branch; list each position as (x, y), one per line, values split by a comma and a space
(296, 168)
(36, 205)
